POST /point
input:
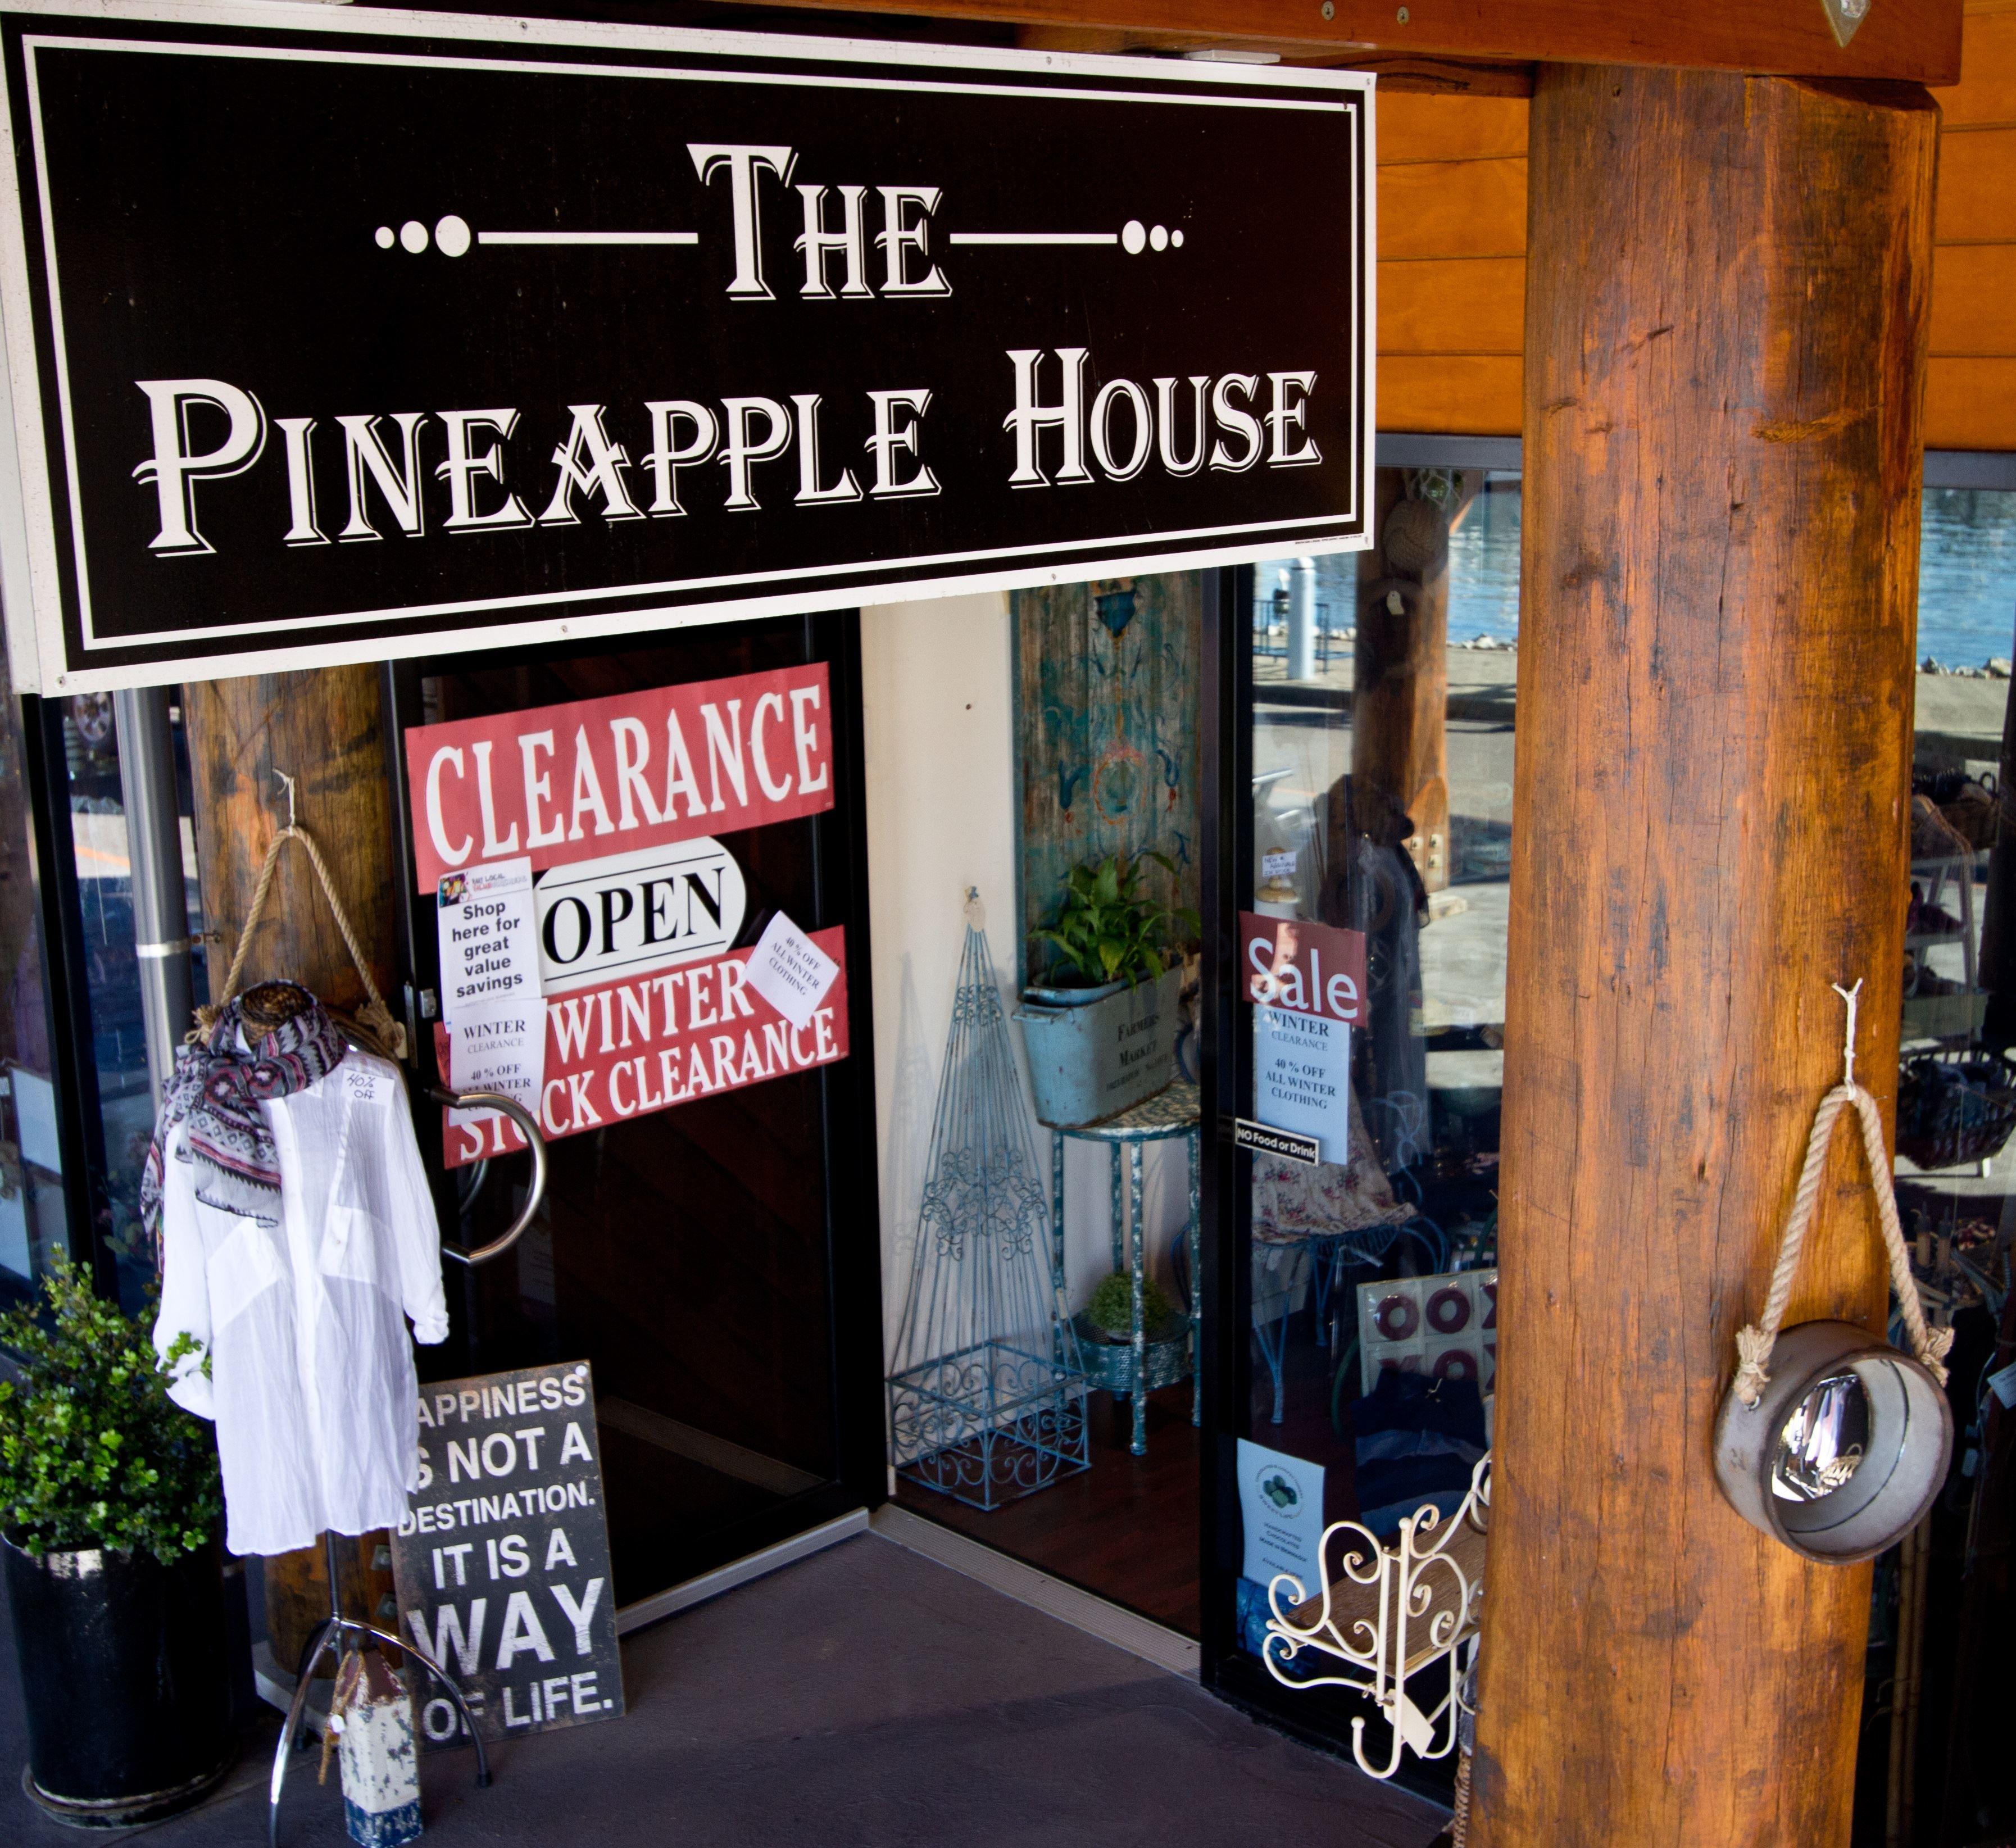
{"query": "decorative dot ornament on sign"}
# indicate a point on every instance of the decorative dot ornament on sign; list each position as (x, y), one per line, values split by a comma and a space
(452, 237)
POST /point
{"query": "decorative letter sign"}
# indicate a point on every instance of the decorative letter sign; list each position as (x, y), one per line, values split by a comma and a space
(502, 1564)
(614, 804)
(335, 336)
(596, 778)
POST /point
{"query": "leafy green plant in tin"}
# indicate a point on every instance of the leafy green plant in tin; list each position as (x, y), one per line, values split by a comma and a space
(93, 1452)
(1111, 1309)
(1107, 929)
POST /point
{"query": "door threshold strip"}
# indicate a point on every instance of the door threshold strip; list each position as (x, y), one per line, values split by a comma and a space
(740, 1572)
(716, 1454)
(1140, 1636)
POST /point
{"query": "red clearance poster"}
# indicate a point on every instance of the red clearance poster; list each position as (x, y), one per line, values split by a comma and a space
(647, 1043)
(593, 778)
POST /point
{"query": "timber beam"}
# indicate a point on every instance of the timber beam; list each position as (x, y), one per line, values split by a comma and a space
(1727, 314)
(1909, 40)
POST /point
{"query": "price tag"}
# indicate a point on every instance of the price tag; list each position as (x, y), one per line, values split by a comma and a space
(363, 1083)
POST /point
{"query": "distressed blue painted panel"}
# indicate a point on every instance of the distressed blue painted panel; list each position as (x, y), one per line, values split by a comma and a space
(1106, 729)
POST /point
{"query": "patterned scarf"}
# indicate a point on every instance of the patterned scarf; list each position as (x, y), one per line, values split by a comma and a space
(217, 1091)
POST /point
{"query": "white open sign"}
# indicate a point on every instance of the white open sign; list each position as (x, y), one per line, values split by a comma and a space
(652, 909)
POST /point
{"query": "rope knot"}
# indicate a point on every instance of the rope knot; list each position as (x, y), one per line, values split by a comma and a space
(1753, 1344)
(1753, 1350)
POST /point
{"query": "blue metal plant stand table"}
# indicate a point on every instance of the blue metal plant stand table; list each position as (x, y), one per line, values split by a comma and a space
(1173, 1111)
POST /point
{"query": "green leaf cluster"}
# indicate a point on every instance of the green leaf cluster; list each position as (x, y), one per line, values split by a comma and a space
(93, 1452)
(1107, 929)
(1111, 1309)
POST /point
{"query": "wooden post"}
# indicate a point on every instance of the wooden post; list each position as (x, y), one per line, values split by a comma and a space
(1399, 701)
(325, 729)
(1725, 321)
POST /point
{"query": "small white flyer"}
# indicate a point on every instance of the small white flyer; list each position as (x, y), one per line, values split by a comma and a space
(489, 953)
(1302, 1076)
(500, 1047)
(790, 971)
(1278, 866)
(1281, 1504)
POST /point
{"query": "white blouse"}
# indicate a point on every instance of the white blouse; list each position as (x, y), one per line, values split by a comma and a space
(312, 1383)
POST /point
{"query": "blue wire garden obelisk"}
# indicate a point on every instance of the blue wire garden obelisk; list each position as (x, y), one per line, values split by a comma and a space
(986, 1384)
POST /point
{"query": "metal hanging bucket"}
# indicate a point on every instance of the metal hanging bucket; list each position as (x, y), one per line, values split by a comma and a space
(1831, 1440)
(1844, 1449)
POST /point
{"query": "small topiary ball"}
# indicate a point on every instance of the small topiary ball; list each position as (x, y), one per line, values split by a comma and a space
(1111, 1309)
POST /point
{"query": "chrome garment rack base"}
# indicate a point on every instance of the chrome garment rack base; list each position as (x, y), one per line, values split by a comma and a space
(334, 1631)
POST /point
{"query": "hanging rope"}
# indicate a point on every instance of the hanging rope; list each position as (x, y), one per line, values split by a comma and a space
(1753, 1344)
(375, 1016)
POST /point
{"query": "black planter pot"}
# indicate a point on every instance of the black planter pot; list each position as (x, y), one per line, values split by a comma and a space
(125, 1674)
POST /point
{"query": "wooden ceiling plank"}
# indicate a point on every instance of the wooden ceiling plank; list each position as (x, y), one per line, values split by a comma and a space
(1986, 93)
(1415, 128)
(1970, 404)
(1977, 200)
(1452, 208)
(1973, 301)
(1475, 304)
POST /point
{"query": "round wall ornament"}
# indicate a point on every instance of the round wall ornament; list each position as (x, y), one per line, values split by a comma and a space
(1829, 1439)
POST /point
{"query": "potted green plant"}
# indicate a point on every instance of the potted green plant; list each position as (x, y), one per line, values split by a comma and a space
(1100, 1025)
(1106, 1335)
(110, 1501)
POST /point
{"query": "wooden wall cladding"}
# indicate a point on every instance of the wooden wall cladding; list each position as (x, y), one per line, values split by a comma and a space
(1451, 262)
(1971, 386)
(1452, 242)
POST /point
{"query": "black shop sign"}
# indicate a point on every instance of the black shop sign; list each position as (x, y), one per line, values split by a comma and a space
(337, 338)
(501, 1566)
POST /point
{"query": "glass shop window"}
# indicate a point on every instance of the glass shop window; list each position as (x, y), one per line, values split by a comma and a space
(32, 1215)
(103, 902)
(1381, 717)
(1936, 1704)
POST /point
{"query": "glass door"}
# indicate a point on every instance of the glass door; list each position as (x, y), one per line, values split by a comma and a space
(714, 1258)
(1357, 858)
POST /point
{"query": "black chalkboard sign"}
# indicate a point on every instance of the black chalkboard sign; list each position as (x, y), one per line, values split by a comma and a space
(502, 1564)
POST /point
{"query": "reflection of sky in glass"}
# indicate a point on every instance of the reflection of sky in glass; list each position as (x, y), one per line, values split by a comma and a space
(1967, 573)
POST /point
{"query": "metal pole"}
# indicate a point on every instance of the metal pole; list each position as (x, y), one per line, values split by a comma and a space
(154, 845)
(1302, 621)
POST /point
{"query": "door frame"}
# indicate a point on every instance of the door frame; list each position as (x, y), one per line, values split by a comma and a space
(853, 1219)
(1320, 1717)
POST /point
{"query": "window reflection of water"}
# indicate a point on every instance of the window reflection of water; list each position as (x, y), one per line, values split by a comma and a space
(1967, 576)
(1483, 566)
(1967, 573)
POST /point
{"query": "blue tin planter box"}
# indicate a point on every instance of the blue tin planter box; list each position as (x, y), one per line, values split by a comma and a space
(1109, 1365)
(1092, 1059)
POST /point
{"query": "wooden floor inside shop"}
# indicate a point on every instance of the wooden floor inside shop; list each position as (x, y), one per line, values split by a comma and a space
(1125, 1530)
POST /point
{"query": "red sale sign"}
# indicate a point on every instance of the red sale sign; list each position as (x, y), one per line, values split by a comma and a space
(593, 778)
(632, 1047)
(1307, 967)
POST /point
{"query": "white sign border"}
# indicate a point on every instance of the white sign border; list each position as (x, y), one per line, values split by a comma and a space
(30, 582)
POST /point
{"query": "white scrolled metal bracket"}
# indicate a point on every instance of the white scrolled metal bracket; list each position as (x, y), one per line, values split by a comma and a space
(535, 1195)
